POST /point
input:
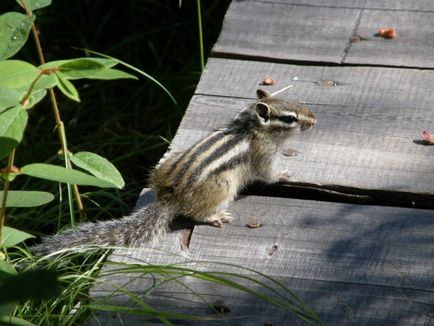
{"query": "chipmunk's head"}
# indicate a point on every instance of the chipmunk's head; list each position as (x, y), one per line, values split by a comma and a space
(274, 115)
(281, 114)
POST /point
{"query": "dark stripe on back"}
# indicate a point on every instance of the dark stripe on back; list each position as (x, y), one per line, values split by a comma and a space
(241, 158)
(201, 149)
(176, 163)
(216, 154)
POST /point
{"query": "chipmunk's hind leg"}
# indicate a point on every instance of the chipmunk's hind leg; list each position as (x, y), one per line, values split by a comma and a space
(219, 194)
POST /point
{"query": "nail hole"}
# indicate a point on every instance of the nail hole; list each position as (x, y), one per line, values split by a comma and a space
(219, 306)
(328, 83)
(272, 250)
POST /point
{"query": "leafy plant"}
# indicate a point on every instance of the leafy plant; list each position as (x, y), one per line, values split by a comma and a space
(22, 86)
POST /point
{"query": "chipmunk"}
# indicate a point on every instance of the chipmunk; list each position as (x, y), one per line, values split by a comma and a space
(200, 182)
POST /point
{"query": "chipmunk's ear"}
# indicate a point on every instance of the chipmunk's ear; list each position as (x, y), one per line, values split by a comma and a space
(263, 111)
(260, 93)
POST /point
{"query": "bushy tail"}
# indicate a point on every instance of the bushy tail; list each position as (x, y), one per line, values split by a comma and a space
(146, 225)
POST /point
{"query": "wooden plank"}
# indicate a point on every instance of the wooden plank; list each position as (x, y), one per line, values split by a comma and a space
(357, 86)
(413, 46)
(313, 34)
(336, 303)
(405, 5)
(368, 126)
(353, 264)
(286, 32)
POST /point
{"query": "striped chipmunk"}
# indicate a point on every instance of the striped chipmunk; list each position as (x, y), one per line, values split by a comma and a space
(200, 182)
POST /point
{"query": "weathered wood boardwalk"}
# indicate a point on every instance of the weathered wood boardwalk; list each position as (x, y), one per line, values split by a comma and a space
(352, 233)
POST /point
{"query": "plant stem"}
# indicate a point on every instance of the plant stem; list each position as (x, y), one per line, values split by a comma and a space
(199, 22)
(60, 127)
(5, 192)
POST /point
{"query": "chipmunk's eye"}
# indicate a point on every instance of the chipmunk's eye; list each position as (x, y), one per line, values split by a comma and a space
(288, 118)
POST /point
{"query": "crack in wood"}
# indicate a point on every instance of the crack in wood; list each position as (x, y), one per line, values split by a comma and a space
(353, 33)
(260, 58)
(342, 194)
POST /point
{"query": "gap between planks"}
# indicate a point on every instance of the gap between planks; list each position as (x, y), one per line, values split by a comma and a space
(343, 4)
(256, 58)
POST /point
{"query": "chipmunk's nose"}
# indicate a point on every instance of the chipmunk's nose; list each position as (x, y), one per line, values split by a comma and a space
(308, 122)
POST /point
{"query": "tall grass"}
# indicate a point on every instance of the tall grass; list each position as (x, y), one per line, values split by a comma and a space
(80, 273)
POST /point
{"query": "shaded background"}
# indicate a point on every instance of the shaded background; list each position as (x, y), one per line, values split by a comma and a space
(126, 121)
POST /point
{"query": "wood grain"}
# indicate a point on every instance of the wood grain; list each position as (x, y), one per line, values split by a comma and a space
(413, 46)
(387, 5)
(280, 31)
(351, 263)
(309, 32)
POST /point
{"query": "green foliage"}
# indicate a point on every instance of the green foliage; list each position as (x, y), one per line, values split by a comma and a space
(66, 86)
(13, 121)
(12, 237)
(61, 174)
(32, 285)
(34, 4)
(8, 98)
(22, 86)
(15, 321)
(15, 29)
(6, 270)
(29, 285)
(25, 198)
(99, 167)
(17, 74)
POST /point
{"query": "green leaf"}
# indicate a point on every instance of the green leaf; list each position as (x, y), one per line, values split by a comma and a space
(7, 267)
(14, 321)
(13, 121)
(81, 64)
(99, 167)
(6, 310)
(6, 270)
(8, 98)
(90, 68)
(136, 70)
(17, 74)
(45, 82)
(35, 97)
(104, 74)
(21, 198)
(67, 87)
(15, 28)
(35, 4)
(30, 285)
(11, 237)
(61, 174)
(106, 63)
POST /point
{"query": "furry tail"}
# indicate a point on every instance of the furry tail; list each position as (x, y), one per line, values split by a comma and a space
(146, 225)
